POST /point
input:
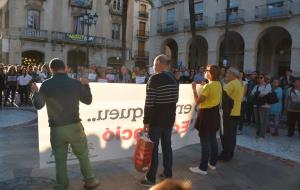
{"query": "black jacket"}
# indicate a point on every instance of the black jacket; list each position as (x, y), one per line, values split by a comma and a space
(61, 94)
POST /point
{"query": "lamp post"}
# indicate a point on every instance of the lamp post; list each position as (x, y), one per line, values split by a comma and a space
(88, 19)
(226, 40)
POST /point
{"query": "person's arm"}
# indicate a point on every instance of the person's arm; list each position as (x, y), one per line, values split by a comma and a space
(85, 92)
(199, 98)
(38, 97)
(149, 103)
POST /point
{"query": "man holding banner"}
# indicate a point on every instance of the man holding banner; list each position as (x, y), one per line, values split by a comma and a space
(159, 116)
(62, 95)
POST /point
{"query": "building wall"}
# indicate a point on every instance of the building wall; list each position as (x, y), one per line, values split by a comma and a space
(251, 31)
(57, 16)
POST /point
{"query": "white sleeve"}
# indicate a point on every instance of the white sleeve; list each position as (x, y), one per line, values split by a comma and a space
(267, 90)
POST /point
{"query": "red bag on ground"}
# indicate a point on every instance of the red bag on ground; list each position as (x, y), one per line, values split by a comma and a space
(143, 154)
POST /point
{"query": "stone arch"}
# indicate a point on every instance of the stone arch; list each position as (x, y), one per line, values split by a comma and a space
(274, 46)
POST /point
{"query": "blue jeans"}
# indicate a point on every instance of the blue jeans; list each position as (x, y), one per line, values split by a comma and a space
(209, 149)
(165, 134)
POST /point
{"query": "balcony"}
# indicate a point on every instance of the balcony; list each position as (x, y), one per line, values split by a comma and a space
(167, 2)
(81, 4)
(167, 28)
(142, 34)
(143, 14)
(199, 24)
(70, 38)
(281, 10)
(114, 11)
(32, 34)
(141, 55)
(235, 18)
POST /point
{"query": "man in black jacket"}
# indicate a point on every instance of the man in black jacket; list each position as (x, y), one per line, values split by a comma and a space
(159, 117)
(62, 95)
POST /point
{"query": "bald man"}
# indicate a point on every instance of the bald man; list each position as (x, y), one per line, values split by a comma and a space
(159, 116)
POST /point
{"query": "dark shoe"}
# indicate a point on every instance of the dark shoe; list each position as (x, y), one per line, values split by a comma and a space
(92, 184)
(163, 176)
(146, 183)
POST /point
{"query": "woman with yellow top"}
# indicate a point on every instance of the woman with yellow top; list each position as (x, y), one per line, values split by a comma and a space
(208, 121)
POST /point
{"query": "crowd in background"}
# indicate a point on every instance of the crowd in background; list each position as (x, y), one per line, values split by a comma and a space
(15, 81)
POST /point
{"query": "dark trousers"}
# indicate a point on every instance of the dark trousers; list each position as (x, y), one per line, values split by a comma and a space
(209, 150)
(242, 117)
(24, 94)
(250, 118)
(163, 134)
(292, 119)
(10, 91)
(228, 139)
(1, 91)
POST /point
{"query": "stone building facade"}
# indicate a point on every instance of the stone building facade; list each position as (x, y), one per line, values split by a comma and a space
(263, 34)
(35, 31)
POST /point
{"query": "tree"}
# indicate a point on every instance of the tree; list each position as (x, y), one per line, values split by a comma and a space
(192, 17)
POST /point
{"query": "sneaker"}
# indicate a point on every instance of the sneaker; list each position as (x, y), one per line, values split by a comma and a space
(211, 167)
(146, 183)
(92, 184)
(197, 170)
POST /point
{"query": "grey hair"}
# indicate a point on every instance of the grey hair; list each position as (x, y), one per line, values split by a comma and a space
(234, 71)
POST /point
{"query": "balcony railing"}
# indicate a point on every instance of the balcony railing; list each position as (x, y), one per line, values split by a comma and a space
(278, 10)
(235, 18)
(167, 28)
(62, 37)
(167, 2)
(114, 11)
(32, 34)
(199, 24)
(143, 14)
(141, 54)
(81, 4)
(142, 34)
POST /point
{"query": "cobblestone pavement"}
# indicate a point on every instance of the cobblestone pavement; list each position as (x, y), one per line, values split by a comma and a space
(249, 170)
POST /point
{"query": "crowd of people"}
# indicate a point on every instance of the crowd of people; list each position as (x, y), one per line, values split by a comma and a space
(15, 81)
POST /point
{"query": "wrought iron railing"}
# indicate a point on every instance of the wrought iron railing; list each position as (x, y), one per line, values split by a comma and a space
(140, 54)
(167, 28)
(143, 14)
(167, 2)
(33, 34)
(199, 24)
(234, 17)
(278, 10)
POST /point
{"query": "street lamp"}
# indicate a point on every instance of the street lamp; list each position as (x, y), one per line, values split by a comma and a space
(88, 19)
(226, 44)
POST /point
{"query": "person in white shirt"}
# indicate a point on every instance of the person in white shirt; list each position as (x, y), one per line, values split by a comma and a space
(261, 107)
(23, 83)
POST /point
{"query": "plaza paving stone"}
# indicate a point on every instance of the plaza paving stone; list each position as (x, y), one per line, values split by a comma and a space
(249, 170)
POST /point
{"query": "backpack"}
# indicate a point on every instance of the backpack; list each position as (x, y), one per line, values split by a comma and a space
(272, 98)
(293, 105)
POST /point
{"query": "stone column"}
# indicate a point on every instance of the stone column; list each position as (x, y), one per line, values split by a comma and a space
(212, 57)
(295, 60)
(250, 60)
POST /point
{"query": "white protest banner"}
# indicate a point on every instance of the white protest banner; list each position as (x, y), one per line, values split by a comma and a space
(114, 119)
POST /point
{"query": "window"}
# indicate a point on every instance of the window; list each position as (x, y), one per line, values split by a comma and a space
(170, 15)
(116, 31)
(199, 14)
(33, 19)
(117, 4)
(143, 8)
(78, 26)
